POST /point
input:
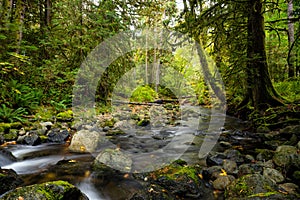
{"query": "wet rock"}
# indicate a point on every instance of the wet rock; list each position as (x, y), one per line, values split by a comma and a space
(182, 182)
(215, 158)
(291, 188)
(273, 174)
(106, 128)
(87, 141)
(249, 158)
(222, 182)
(211, 173)
(58, 136)
(31, 138)
(9, 180)
(6, 157)
(49, 190)
(153, 191)
(264, 154)
(115, 159)
(234, 155)
(229, 166)
(248, 185)
(225, 144)
(283, 155)
(245, 169)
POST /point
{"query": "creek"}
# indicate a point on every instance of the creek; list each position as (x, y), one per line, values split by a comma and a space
(49, 162)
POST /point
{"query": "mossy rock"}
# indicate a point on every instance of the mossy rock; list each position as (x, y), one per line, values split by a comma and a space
(182, 181)
(250, 185)
(57, 190)
(65, 116)
(9, 180)
(4, 127)
(177, 169)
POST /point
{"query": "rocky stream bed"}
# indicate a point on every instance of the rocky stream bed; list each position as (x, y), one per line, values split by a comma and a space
(130, 155)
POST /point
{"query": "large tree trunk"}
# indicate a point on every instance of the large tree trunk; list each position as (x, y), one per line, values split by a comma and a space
(260, 90)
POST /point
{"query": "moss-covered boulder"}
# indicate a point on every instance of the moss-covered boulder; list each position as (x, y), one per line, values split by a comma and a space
(9, 180)
(252, 186)
(57, 190)
(285, 156)
(5, 127)
(177, 181)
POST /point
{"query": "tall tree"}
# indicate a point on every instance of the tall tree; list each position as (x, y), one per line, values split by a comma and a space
(238, 25)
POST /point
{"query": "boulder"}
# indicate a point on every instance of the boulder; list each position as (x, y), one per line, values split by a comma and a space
(50, 190)
(85, 141)
(284, 155)
(115, 159)
(249, 185)
(9, 180)
(273, 174)
(222, 182)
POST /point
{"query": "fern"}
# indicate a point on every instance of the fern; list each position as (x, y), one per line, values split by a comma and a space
(10, 115)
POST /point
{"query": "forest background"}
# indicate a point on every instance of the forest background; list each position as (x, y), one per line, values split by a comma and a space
(254, 44)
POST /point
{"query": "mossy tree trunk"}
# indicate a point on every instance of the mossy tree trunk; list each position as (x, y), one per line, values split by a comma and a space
(260, 89)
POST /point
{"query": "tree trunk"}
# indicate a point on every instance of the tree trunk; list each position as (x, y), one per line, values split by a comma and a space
(260, 90)
(291, 38)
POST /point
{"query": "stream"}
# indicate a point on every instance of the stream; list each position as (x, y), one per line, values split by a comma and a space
(49, 161)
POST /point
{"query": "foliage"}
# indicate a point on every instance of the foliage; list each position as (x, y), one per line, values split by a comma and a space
(11, 115)
(143, 94)
(290, 89)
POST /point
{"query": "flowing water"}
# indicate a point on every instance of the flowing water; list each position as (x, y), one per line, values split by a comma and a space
(49, 162)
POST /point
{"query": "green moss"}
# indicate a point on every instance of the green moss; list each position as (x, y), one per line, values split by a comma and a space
(4, 127)
(143, 94)
(267, 194)
(44, 138)
(56, 190)
(66, 115)
(10, 136)
(2, 175)
(44, 114)
(174, 171)
(241, 188)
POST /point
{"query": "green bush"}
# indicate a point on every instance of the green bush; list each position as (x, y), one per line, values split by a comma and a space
(143, 94)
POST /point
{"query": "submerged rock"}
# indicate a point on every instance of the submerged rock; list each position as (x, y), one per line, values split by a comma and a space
(115, 159)
(57, 190)
(6, 157)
